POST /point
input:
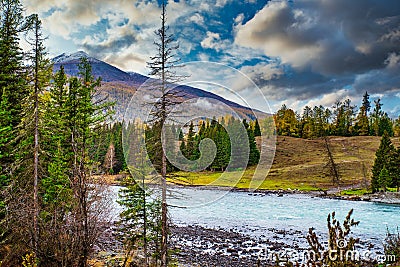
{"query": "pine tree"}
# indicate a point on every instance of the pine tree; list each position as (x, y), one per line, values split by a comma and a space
(254, 153)
(12, 90)
(394, 168)
(307, 123)
(381, 160)
(362, 123)
(140, 219)
(83, 115)
(362, 120)
(384, 178)
(221, 139)
(28, 165)
(55, 186)
(376, 118)
(385, 124)
(190, 143)
(257, 129)
(41, 73)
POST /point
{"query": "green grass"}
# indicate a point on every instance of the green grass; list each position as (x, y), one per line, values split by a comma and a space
(239, 179)
(355, 192)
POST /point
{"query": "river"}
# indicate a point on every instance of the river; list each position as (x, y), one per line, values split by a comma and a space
(286, 217)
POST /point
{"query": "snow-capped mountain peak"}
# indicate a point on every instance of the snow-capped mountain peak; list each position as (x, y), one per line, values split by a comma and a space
(73, 57)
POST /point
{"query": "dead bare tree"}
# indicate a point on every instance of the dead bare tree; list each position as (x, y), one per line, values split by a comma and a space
(162, 67)
(331, 164)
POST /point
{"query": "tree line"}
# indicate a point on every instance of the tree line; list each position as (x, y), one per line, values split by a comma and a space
(50, 211)
(342, 119)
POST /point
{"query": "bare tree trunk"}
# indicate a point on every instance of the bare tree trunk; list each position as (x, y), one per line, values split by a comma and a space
(164, 226)
(331, 163)
(146, 260)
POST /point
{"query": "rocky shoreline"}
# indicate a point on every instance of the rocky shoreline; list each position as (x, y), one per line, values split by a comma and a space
(198, 246)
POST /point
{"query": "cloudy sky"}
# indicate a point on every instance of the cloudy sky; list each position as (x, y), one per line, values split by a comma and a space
(299, 52)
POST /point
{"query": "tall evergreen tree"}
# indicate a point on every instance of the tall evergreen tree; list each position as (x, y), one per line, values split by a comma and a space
(190, 143)
(12, 89)
(384, 178)
(83, 116)
(362, 120)
(381, 160)
(254, 153)
(362, 123)
(376, 117)
(366, 104)
(257, 129)
(396, 127)
(41, 70)
(385, 124)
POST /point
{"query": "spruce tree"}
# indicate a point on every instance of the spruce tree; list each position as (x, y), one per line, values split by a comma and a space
(83, 116)
(12, 90)
(384, 179)
(396, 127)
(190, 143)
(254, 154)
(381, 160)
(376, 118)
(140, 218)
(41, 70)
(385, 124)
(257, 129)
(362, 121)
(394, 168)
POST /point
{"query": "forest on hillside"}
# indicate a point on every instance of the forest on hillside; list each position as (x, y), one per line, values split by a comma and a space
(342, 119)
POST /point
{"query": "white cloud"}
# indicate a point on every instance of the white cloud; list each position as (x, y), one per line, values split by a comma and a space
(212, 41)
(274, 30)
(221, 3)
(197, 18)
(239, 19)
(393, 61)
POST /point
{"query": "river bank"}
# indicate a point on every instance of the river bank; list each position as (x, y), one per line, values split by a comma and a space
(392, 198)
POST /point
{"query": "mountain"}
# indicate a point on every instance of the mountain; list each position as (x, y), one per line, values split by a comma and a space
(119, 86)
(107, 72)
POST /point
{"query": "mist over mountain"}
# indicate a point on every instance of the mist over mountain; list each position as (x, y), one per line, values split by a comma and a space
(120, 86)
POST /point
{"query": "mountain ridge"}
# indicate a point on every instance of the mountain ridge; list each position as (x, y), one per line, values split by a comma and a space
(116, 82)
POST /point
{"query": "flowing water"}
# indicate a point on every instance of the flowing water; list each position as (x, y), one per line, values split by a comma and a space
(287, 217)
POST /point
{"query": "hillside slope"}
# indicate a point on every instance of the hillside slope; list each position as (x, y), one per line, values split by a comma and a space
(302, 164)
(305, 161)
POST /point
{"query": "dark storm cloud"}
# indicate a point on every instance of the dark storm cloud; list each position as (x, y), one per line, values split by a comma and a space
(326, 46)
(300, 85)
(110, 46)
(331, 37)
